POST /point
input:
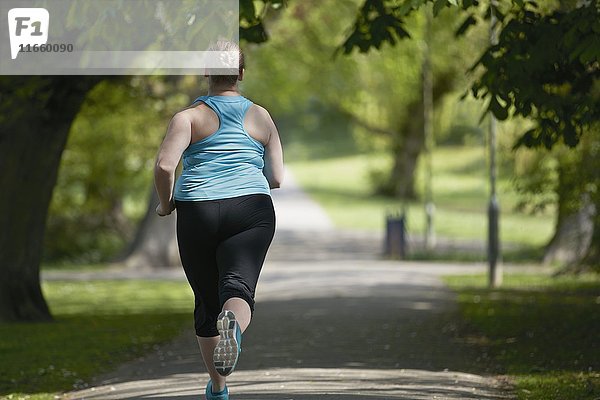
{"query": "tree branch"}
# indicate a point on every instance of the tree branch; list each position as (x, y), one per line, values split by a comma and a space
(364, 124)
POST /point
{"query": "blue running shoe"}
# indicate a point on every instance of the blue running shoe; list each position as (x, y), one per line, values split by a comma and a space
(210, 395)
(228, 349)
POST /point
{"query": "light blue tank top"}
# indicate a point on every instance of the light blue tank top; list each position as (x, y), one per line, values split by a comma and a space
(226, 164)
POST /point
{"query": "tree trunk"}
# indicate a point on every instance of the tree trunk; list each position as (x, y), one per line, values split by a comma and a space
(407, 148)
(592, 256)
(572, 237)
(409, 142)
(577, 235)
(35, 117)
(592, 164)
(155, 243)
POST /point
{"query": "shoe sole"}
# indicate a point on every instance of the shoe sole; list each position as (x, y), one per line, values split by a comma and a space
(226, 353)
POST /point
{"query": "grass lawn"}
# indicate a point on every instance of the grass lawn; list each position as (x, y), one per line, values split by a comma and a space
(97, 325)
(543, 332)
(342, 186)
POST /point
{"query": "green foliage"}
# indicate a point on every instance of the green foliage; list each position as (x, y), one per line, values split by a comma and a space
(296, 78)
(456, 122)
(400, 65)
(378, 23)
(565, 180)
(545, 65)
(104, 324)
(542, 331)
(105, 173)
(383, 21)
(568, 175)
(252, 28)
(371, 97)
(536, 179)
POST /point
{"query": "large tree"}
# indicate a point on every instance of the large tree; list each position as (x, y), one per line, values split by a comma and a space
(35, 117)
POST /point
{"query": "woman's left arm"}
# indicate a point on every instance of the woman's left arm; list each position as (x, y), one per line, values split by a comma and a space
(177, 139)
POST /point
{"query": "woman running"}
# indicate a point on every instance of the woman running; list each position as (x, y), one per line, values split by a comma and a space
(232, 157)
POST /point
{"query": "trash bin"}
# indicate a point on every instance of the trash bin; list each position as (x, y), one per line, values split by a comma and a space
(395, 236)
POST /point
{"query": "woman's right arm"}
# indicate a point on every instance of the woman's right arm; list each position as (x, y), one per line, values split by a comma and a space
(177, 139)
(273, 169)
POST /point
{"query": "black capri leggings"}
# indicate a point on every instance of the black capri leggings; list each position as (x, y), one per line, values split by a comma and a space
(223, 244)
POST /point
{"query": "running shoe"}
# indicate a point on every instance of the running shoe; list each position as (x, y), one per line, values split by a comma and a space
(210, 395)
(228, 349)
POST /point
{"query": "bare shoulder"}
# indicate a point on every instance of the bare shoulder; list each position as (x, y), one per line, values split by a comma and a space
(260, 112)
(182, 117)
(258, 124)
(199, 108)
(197, 113)
(259, 116)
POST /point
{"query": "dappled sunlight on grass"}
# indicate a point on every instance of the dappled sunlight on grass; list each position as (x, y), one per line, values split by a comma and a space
(97, 325)
(342, 186)
(543, 330)
(117, 297)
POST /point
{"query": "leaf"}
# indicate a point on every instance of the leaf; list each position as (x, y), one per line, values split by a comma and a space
(591, 54)
(570, 135)
(247, 10)
(581, 47)
(438, 5)
(401, 32)
(499, 112)
(470, 20)
(254, 34)
(547, 138)
(527, 139)
(453, 2)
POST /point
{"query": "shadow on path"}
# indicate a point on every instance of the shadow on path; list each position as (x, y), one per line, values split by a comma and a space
(330, 330)
(305, 384)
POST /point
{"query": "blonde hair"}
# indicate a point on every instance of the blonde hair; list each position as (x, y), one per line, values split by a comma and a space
(229, 80)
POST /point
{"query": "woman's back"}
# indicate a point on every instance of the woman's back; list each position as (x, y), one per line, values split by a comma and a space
(225, 157)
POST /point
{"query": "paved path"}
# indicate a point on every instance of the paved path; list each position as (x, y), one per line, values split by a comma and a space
(296, 211)
(335, 330)
(332, 321)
